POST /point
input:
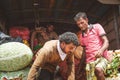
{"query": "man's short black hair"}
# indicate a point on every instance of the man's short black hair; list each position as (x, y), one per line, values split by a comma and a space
(69, 37)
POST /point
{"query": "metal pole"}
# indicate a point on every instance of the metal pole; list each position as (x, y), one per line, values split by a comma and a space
(116, 27)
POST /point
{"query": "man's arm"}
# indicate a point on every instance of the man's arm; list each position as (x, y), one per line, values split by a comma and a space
(105, 43)
(71, 68)
(40, 60)
(104, 46)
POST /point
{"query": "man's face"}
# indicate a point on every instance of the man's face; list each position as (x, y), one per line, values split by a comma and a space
(82, 23)
(68, 48)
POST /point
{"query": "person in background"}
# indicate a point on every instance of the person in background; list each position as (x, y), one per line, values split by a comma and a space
(52, 34)
(51, 54)
(44, 34)
(93, 38)
(40, 38)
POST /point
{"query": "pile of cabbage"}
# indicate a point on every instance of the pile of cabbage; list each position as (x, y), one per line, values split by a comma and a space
(14, 56)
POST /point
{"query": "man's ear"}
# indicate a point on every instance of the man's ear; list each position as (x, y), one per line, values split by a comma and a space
(62, 44)
(87, 19)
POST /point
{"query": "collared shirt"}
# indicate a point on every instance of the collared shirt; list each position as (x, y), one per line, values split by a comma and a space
(92, 41)
(61, 53)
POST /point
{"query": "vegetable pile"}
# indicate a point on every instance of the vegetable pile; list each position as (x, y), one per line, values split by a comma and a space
(112, 68)
(14, 56)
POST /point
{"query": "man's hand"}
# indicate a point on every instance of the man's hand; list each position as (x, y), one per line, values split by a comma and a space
(99, 54)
